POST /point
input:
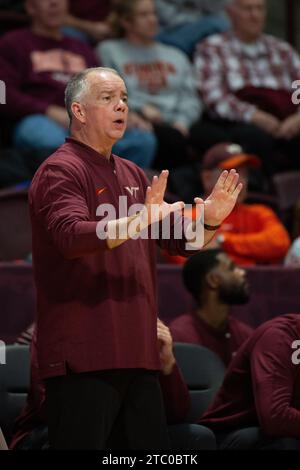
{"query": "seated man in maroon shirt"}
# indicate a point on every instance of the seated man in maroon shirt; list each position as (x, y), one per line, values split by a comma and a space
(216, 284)
(36, 63)
(258, 405)
(95, 276)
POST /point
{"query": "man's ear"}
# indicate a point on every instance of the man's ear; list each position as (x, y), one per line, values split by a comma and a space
(212, 280)
(78, 112)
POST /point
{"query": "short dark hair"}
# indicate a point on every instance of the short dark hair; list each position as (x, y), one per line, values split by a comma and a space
(195, 270)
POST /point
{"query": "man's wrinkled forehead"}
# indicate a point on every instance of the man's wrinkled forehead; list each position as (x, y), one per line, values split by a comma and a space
(105, 81)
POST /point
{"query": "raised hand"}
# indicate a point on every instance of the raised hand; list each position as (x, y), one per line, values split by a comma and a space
(156, 208)
(222, 199)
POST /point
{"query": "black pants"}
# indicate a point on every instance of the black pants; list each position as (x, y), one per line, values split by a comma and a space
(275, 154)
(252, 438)
(116, 409)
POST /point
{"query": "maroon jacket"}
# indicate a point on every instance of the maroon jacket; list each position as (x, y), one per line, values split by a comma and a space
(262, 385)
(175, 394)
(97, 308)
(189, 328)
(36, 70)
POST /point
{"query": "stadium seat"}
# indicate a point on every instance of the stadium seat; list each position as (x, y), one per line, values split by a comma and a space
(14, 386)
(203, 373)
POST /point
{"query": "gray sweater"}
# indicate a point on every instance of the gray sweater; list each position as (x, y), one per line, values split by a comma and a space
(158, 75)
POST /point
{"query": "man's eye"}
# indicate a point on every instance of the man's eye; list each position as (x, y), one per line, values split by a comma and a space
(106, 98)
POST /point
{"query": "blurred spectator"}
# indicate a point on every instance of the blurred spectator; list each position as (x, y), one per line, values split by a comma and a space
(159, 79)
(183, 23)
(87, 19)
(258, 405)
(245, 79)
(216, 284)
(36, 63)
(252, 233)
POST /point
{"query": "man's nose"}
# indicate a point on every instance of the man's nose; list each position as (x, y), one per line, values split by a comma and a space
(121, 105)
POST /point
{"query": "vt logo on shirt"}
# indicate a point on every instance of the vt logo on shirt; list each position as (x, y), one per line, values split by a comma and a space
(132, 190)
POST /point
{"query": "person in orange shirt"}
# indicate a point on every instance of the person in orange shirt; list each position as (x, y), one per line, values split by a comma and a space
(252, 233)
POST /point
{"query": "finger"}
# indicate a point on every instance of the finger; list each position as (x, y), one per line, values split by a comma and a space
(162, 181)
(198, 200)
(176, 206)
(234, 183)
(157, 180)
(221, 179)
(154, 180)
(148, 195)
(230, 179)
(237, 190)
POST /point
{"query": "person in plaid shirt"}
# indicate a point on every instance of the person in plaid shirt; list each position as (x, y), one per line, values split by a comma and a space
(245, 79)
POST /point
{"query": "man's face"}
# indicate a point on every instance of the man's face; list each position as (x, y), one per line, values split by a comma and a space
(144, 23)
(233, 287)
(248, 18)
(49, 13)
(105, 106)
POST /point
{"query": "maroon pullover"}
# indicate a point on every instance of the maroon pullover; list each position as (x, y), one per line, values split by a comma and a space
(189, 328)
(262, 385)
(36, 69)
(97, 308)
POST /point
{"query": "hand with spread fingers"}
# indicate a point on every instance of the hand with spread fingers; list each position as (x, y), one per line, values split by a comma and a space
(156, 208)
(223, 198)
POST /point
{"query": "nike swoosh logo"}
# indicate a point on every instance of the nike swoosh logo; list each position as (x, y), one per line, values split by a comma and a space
(100, 191)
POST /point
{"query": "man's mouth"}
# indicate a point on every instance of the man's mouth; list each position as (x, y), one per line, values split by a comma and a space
(119, 121)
